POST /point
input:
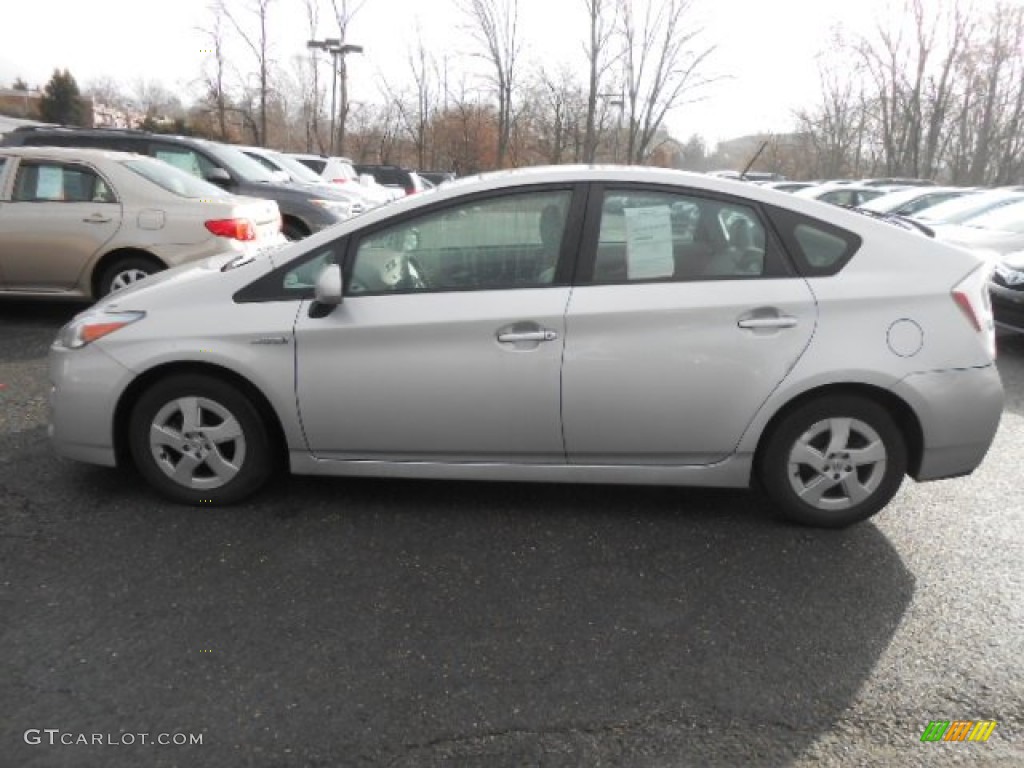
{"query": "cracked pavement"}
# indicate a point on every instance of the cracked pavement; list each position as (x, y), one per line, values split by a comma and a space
(354, 622)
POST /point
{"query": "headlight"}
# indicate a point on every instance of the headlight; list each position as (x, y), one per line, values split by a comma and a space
(337, 207)
(90, 327)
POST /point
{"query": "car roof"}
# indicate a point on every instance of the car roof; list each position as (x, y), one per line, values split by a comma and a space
(68, 153)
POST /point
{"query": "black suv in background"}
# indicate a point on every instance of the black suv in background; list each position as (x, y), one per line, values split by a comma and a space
(303, 211)
(394, 176)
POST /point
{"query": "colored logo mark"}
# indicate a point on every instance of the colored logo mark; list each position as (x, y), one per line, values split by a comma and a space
(958, 730)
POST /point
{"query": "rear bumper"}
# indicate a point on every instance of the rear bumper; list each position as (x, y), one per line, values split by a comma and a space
(959, 411)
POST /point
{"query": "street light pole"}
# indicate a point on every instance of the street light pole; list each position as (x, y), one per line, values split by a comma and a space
(615, 100)
(338, 51)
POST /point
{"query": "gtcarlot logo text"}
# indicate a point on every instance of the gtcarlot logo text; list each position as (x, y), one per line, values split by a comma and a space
(55, 736)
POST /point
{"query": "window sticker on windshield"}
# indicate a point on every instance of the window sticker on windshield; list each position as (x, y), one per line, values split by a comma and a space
(649, 243)
(50, 183)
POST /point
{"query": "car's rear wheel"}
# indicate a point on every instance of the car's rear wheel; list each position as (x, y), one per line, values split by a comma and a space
(833, 462)
(199, 440)
(126, 271)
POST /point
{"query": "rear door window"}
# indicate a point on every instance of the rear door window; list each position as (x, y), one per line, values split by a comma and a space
(44, 182)
(654, 235)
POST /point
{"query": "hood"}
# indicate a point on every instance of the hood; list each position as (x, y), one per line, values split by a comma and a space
(253, 264)
(976, 238)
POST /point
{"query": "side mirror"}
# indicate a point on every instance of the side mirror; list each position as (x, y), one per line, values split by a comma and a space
(218, 176)
(329, 286)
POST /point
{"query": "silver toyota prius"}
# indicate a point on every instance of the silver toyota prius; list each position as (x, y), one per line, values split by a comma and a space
(569, 324)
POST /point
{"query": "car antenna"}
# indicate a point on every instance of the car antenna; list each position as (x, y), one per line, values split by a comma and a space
(743, 175)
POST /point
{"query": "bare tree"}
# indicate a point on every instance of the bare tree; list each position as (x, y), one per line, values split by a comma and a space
(312, 97)
(259, 45)
(557, 116)
(989, 145)
(494, 26)
(836, 128)
(417, 105)
(215, 72)
(663, 63)
(601, 28)
(913, 102)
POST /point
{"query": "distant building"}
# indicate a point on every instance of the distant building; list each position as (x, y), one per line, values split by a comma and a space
(24, 105)
(105, 116)
(20, 104)
(785, 154)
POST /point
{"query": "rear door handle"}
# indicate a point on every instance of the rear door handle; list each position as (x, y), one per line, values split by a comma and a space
(96, 218)
(755, 323)
(511, 337)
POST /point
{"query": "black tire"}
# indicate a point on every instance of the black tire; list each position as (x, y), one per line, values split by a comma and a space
(245, 462)
(126, 270)
(805, 452)
(293, 230)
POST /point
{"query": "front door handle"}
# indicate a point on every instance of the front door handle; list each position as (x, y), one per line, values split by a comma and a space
(96, 218)
(512, 337)
(757, 323)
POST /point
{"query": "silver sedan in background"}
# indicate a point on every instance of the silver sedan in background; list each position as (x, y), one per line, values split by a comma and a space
(596, 325)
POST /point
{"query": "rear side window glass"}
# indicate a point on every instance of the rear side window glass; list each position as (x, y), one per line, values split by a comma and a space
(316, 165)
(818, 248)
(38, 182)
(173, 180)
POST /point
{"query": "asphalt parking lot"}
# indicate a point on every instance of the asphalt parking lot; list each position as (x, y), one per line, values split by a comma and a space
(370, 622)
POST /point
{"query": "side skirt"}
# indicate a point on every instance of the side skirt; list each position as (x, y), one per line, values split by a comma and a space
(733, 472)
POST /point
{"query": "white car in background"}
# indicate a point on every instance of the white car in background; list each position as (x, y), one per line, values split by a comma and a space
(960, 209)
(340, 171)
(81, 223)
(998, 235)
(297, 173)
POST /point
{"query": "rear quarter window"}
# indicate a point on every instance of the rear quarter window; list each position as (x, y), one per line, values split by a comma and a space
(818, 249)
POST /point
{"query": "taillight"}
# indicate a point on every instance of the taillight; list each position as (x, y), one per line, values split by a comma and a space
(964, 302)
(972, 297)
(236, 229)
(338, 181)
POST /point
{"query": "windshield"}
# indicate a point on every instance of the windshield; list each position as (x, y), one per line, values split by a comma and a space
(296, 170)
(894, 200)
(1007, 218)
(240, 163)
(172, 179)
(962, 208)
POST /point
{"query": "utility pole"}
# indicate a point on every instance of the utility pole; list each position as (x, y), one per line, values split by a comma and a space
(338, 51)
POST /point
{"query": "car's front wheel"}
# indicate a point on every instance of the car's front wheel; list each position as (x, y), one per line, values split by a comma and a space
(833, 462)
(199, 440)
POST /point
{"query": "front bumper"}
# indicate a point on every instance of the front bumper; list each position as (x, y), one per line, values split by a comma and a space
(85, 386)
(959, 411)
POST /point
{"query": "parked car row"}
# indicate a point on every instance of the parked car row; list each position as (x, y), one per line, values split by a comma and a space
(303, 210)
(81, 223)
(84, 212)
(988, 222)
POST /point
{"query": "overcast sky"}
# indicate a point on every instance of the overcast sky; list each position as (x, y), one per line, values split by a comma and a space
(766, 48)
